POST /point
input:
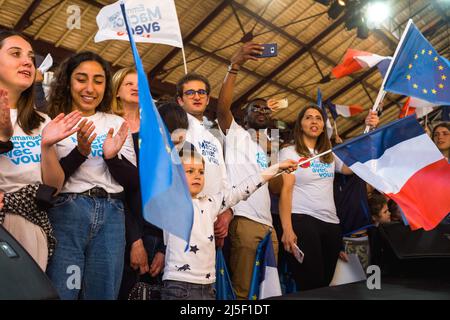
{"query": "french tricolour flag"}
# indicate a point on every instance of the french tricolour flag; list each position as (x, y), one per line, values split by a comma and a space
(414, 105)
(345, 111)
(265, 280)
(355, 60)
(401, 161)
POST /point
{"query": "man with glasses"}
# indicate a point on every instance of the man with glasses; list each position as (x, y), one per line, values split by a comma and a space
(193, 95)
(246, 153)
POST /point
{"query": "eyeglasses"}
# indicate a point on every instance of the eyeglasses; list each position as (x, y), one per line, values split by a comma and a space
(191, 93)
(260, 109)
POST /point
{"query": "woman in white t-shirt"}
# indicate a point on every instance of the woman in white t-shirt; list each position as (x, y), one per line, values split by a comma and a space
(28, 158)
(307, 208)
(88, 216)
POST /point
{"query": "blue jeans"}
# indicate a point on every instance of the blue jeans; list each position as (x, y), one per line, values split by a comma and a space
(178, 290)
(88, 259)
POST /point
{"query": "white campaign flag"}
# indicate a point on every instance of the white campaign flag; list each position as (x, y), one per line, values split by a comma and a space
(153, 21)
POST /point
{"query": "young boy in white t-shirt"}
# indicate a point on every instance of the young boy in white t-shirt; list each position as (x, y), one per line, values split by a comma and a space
(191, 275)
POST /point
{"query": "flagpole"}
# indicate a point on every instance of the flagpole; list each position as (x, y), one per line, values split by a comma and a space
(382, 93)
(304, 161)
(184, 60)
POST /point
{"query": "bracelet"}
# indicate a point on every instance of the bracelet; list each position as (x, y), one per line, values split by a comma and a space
(232, 72)
(231, 69)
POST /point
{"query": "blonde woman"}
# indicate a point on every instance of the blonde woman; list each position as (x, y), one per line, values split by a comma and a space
(144, 252)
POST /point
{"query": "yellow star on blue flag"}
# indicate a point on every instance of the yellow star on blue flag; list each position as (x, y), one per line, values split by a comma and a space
(418, 70)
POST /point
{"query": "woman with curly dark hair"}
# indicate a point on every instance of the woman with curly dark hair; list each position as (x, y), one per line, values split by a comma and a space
(88, 216)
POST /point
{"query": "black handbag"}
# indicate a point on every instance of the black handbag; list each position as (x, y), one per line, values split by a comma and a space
(145, 291)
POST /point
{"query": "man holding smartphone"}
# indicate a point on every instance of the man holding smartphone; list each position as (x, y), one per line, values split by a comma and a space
(245, 154)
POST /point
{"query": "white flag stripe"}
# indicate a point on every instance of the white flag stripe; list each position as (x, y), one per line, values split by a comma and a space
(343, 110)
(270, 287)
(422, 112)
(152, 21)
(418, 103)
(391, 171)
(370, 61)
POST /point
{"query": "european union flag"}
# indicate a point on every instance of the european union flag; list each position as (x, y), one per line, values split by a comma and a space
(166, 199)
(224, 288)
(418, 70)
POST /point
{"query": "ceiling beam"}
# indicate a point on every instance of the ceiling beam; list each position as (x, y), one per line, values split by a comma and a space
(160, 66)
(24, 21)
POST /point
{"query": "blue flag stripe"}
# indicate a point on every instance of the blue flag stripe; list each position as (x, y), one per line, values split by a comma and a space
(358, 150)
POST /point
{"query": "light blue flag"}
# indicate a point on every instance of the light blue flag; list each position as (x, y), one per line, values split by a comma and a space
(166, 199)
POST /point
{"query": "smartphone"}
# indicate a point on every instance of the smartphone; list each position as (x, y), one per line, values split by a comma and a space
(269, 50)
(282, 103)
(298, 254)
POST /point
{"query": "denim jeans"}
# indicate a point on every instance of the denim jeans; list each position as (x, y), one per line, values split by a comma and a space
(88, 259)
(178, 290)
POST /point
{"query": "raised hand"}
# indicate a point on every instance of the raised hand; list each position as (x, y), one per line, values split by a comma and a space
(112, 145)
(85, 137)
(246, 52)
(372, 119)
(273, 104)
(60, 128)
(6, 128)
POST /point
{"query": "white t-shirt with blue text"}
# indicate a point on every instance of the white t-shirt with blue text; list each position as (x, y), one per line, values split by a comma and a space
(210, 148)
(245, 157)
(22, 165)
(94, 172)
(313, 189)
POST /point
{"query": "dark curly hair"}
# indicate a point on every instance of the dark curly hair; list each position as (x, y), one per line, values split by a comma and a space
(60, 99)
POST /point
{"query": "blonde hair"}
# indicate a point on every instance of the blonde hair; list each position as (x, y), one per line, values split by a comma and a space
(118, 77)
